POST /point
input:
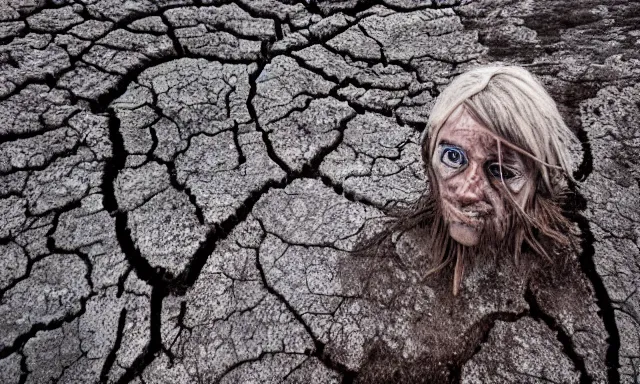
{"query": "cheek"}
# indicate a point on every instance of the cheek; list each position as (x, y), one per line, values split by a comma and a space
(521, 190)
(526, 193)
(447, 180)
(518, 184)
(497, 202)
(449, 189)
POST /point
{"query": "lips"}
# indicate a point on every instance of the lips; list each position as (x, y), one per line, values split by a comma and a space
(471, 216)
(472, 222)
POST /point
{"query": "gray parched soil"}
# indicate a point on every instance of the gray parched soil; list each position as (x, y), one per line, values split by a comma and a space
(181, 182)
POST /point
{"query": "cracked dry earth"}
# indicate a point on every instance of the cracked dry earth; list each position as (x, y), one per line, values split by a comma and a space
(181, 182)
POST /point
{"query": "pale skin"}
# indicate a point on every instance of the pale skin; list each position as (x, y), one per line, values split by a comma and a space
(466, 161)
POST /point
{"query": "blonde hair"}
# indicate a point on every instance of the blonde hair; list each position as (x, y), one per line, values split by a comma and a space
(513, 104)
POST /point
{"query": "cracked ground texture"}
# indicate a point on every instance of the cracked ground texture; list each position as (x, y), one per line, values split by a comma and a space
(182, 182)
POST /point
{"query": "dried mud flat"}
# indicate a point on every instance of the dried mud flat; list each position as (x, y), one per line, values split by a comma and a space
(180, 182)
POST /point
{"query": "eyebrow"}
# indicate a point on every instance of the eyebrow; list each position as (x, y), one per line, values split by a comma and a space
(511, 156)
(445, 142)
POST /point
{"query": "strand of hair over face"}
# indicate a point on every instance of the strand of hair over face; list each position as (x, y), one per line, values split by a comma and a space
(512, 104)
(522, 116)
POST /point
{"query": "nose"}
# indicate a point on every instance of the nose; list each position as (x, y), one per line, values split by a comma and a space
(472, 189)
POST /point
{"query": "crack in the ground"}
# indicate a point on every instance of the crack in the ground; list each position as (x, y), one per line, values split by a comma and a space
(56, 156)
(31, 261)
(17, 136)
(587, 262)
(603, 300)
(181, 326)
(319, 347)
(155, 338)
(111, 357)
(164, 283)
(21, 340)
(180, 50)
(260, 357)
(480, 331)
(361, 6)
(24, 368)
(537, 313)
(254, 116)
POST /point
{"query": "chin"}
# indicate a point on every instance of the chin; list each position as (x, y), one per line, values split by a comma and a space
(464, 234)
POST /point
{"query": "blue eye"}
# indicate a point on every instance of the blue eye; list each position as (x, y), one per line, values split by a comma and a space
(453, 157)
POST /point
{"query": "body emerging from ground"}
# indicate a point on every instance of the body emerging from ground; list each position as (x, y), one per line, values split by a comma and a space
(487, 241)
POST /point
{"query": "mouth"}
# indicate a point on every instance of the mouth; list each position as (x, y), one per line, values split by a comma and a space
(469, 222)
(471, 217)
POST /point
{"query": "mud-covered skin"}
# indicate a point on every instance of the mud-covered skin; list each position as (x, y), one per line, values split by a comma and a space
(468, 167)
(180, 183)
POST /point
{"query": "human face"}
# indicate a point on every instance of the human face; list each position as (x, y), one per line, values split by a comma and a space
(466, 164)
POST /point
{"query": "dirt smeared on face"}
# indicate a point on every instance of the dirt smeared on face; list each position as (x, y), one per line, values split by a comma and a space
(471, 172)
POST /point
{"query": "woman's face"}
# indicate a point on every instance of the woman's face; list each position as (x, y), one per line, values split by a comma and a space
(468, 174)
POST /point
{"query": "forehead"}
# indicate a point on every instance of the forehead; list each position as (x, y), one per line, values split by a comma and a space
(463, 130)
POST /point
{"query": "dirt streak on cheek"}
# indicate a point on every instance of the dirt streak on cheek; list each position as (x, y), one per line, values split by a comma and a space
(451, 189)
(499, 214)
